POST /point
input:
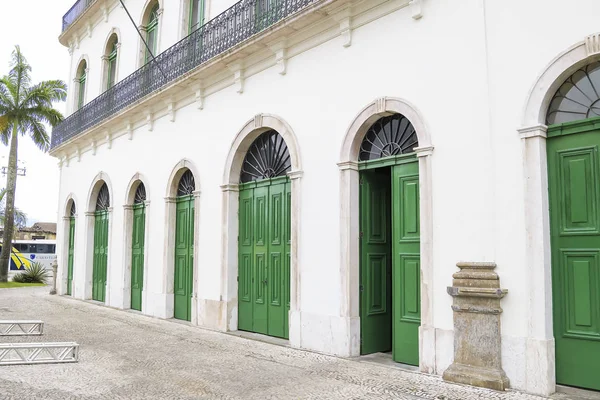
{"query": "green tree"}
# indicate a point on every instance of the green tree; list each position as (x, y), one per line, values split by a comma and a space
(25, 108)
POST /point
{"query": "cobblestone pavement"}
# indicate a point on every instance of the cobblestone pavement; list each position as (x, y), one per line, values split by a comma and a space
(124, 355)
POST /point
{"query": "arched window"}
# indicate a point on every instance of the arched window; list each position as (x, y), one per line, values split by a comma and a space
(267, 157)
(388, 136)
(140, 194)
(111, 61)
(151, 28)
(578, 97)
(81, 79)
(196, 14)
(187, 184)
(103, 199)
(73, 210)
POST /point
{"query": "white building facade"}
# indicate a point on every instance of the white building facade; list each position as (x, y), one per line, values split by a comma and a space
(447, 102)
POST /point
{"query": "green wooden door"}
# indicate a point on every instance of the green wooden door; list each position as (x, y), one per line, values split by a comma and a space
(184, 258)
(137, 256)
(264, 257)
(574, 190)
(406, 262)
(375, 261)
(100, 255)
(70, 256)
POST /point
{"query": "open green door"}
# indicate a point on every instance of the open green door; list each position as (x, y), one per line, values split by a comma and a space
(184, 258)
(100, 255)
(375, 261)
(137, 256)
(574, 190)
(264, 257)
(70, 255)
(407, 264)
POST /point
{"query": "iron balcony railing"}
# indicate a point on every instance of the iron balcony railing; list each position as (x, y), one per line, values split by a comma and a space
(243, 20)
(78, 8)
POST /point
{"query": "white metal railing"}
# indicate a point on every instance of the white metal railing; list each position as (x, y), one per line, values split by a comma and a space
(38, 353)
(21, 328)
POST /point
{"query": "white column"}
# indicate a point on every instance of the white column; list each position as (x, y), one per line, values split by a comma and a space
(229, 255)
(294, 316)
(540, 357)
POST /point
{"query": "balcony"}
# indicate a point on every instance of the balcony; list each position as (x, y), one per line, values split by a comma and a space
(232, 27)
(78, 8)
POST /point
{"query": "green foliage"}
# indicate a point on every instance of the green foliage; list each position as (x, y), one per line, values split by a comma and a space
(34, 274)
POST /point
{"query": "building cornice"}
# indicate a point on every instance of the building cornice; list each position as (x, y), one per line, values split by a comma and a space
(299, 33)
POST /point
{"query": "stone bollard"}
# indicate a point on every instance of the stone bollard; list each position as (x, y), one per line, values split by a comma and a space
(477, 334)
(55, 271)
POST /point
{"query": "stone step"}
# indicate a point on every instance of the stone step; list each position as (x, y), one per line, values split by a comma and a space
(38, 353)
(21, 328)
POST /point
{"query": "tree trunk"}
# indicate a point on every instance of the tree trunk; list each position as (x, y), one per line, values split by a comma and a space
(9, 214)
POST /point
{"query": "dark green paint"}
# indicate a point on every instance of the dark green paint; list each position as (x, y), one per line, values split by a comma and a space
(71, 253)
(390, 298)
(137, 256)
(264, 257)
(100, 255)
(184, 258)
(376, 261)
(574, 191)
(406, 262)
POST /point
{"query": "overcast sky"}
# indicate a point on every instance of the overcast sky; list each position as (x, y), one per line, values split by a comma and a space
(35, 26)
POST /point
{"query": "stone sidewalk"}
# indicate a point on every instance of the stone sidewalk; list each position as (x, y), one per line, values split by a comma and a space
(125, 355)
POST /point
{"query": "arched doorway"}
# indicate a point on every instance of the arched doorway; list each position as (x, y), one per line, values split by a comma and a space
(137, 246)
(264, 242)
(184, 247)
(100, 253)
(573, 141)
(71, 247)
(389, 266)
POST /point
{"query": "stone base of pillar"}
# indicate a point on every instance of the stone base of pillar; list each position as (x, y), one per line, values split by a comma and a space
(477, 376)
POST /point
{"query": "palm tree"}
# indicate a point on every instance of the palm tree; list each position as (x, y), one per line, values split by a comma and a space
(24, 109)
(20, 216)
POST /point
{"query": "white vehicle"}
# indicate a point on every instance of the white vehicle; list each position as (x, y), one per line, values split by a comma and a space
(25, 252)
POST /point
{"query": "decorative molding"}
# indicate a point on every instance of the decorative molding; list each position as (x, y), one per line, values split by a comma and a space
(199, 89)
(67, 160)
(258, 121)
(89, 29)
(424, 151)
(77, 41)
(343, 16)
(94, 146)
(230, 187)
(533, 131)
(279, 48)
(348, 165)
(105, 11)
(89, 214)
(127, 207)
(78, 153)
(196, 193)
(129, 129)
(170, 200)
(238, 76)
(380, 105)
(150, 120)
(109, 138)
(71, 47)
(293, 175)
(592, 44)
(171, 109)
(416, 7)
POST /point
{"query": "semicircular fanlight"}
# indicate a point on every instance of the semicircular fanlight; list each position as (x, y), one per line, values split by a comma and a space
(140, 194)
(388, 136)
(73, 210)
(187, 184)
(267, 157)
(103, 199)
(578, 97)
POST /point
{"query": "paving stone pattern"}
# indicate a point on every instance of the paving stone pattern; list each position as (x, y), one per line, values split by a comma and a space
(125, 355)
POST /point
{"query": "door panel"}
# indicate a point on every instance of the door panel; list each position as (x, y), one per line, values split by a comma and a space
(184, 239)
(574, 190)
(375, 261)
(406, 270)
(100, 256)
(71, 254)
(137, 256)
(264, 259)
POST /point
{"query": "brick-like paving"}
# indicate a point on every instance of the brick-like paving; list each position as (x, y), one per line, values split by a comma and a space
(125, 355)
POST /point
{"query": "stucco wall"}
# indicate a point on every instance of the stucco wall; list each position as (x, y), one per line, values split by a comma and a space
(467, 68)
